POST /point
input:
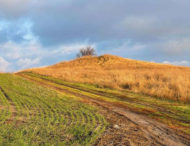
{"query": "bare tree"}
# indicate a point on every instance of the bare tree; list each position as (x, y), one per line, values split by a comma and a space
(88, 51)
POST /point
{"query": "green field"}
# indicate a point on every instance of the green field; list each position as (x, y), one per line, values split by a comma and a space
(34, 115)
(42, 110)
(175, 114)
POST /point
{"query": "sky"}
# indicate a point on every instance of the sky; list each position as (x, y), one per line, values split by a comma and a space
(37, 33)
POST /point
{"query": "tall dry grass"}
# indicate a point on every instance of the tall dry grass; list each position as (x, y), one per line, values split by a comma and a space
(163, 81)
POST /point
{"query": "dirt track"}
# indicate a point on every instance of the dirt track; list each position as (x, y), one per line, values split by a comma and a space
(126, 127)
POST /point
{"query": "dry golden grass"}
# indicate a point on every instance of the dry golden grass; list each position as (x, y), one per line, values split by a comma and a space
(163, 81)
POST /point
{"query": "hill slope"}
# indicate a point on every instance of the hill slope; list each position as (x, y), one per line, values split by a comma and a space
(164, 81)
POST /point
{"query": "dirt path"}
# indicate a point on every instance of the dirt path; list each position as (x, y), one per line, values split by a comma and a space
(125, 98)
(128, 128)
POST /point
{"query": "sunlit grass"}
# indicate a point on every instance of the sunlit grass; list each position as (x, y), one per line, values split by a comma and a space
(161, 81)
(175, 114)
(35, 115)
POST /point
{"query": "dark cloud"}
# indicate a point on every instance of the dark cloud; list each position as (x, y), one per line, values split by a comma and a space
(103, 20)
(146, 29)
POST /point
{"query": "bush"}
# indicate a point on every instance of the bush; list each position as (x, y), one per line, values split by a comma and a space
(88, 51)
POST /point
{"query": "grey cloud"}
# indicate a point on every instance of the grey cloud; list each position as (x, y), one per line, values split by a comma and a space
(146, 29)
(13, 9)
(181, 63)
(169, 48)
(63, 21)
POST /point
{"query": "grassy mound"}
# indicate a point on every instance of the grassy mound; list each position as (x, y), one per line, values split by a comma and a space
(163, 81)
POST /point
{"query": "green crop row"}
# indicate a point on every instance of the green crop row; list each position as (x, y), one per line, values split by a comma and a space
(33, 115)
(175, 114)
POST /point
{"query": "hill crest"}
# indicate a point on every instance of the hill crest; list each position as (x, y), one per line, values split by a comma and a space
(155, 79)
(109, 62)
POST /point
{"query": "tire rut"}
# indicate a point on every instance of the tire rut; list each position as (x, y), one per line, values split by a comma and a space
(154, 131)
(121, 97)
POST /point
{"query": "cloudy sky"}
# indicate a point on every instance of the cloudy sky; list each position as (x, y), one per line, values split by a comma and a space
(41, 32)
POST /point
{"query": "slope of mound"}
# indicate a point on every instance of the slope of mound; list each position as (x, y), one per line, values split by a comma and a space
(108, 62)
(165, 81)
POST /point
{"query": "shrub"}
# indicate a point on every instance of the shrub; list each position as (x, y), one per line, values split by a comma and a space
(88, 51)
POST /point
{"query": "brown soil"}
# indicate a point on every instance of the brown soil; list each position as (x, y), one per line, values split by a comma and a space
(1, 107)
(129, 128)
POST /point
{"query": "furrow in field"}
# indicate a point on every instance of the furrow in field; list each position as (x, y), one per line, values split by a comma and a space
(122, 97)
(4, 110)
(12, 107)
(43, 116)
(160, 134)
